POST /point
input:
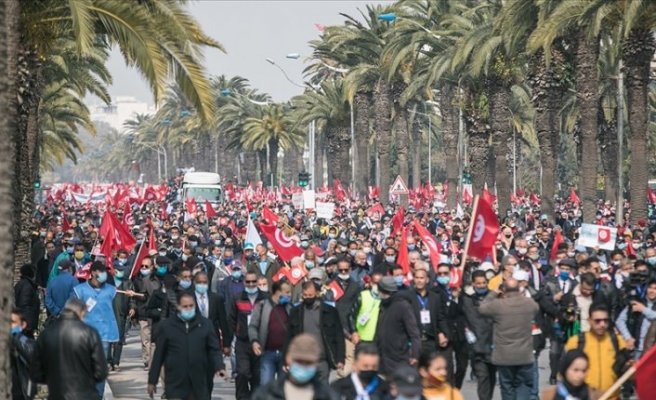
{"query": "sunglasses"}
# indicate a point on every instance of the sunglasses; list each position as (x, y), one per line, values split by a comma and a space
(250, 282)
(344, 270)
(601, 320)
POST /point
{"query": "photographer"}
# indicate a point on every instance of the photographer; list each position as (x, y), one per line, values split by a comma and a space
(634, 321)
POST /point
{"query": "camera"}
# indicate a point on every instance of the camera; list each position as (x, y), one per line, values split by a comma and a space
(634, 285)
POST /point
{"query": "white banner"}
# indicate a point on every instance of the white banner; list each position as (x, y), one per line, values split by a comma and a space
(325, 210)
(597, 236)
(308, 199)
(84, 198)
(297, 200)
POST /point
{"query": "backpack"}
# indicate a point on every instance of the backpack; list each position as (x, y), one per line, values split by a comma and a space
(622, 357)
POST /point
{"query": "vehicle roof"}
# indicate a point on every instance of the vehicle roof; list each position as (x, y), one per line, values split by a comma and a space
(202, 178)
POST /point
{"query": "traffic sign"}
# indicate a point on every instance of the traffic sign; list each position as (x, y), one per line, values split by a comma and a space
(398, 187)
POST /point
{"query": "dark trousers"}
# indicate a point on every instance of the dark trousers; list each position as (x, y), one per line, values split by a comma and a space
(555, 354)
(486, 377)
(116, 349)
(248, 370)
(516, 381)
(461, 353)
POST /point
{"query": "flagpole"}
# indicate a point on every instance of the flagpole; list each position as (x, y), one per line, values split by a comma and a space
(472, 224)
(136, 258)
(618, 384)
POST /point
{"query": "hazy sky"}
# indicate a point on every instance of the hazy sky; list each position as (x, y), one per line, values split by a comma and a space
(250, 31)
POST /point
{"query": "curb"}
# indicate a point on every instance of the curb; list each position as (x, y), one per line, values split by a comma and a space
(109, 395)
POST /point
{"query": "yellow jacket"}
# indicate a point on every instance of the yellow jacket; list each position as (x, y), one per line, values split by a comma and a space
(446, 392)
(495, 282)
(601, 354)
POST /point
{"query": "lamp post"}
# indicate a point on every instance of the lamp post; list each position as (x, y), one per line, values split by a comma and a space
(159, 162)
(620, 140)
(272, 62)
(391, 17)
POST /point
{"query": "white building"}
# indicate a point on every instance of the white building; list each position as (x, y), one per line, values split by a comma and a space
(121, 109)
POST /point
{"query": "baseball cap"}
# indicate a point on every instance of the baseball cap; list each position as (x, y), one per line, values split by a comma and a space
(388, 284)
(304, 347)
(407, 381)
(249, 246)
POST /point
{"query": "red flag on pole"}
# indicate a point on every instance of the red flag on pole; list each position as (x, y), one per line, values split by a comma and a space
(127, 215)
(466, 196)
(141, 254)
(378, 208)
(533, 198)
(645, 372)
(558, 239)
(338, 292)
(209, 210)
(573, 196)
(651, 196)
(295, 273)
(269, 215)
(402, 258)
(483, 231)
(397, 220)
(65, 224)
(434, 248)
(488, 197)
(285, 248)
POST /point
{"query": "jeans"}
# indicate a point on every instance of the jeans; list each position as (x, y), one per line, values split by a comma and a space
(516, 381)
(535, 391)
(270, 366)
(100, 386)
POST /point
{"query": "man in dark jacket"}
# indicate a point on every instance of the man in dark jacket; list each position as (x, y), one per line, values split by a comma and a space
(364, 380)
(322, 321)
(210, 305)
(188, 349)
(398, 335)
(21, 351)
(303, 357)
(480, 343)
(145, 284)
(344, 303)
(69, 356)
(27, 299)
(247, 363)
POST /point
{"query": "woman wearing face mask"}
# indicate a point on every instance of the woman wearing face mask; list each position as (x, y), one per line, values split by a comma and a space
(573, 370)
(433, 371)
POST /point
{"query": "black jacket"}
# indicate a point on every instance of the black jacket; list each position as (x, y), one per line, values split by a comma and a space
(190, 355)
(398, 336)
(438, 323)
(27, 301)
(69, 357)
(453, 311)
(346, 389)
(146, 286)
(240, 310)
(122, 304)
(331, 329)
(22, 351)
(275, 390)
(161, 306)
(479, 325)
(345, 303)
(216, 314)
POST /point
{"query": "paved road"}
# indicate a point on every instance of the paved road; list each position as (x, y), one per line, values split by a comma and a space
(130, 382)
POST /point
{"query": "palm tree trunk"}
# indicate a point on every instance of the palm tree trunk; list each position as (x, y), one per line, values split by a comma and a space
(320, 141)
(417, 126)
(362, 102)
(609, 151)
(638, 52)
(499, 101)
(249, 167)
(383, 129)
(450, 148)
(401, 132)
(9, 25)
(262, 158)
(587, 95)
(547, 94)
(273, 159)
(478, 148)
(333, 154)
(290, 165)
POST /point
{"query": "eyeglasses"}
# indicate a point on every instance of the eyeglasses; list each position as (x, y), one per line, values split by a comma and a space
(344, 270)
(250, 282)
(601, 320)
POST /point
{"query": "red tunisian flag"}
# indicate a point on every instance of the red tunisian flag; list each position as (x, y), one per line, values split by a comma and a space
(397, 220)
(149, 194)
(434, 248)
(338, 292)
(466, 196)
(115, 235)
(285, 248)
(651, 196)
(340, 193)
(558, 239)
(645, 369)
(192, 207)
(573, 196)
(402, 258)
(295, 273)
(375, 209)
(141, 254)
(269, 215)
(209, 210)
(483, 231)
(488, 197)
(128, 219)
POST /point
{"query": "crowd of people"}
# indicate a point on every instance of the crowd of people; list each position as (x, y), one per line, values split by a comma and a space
(359, 322)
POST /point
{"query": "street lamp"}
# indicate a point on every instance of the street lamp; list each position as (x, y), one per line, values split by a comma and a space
(228, 92)
(159, 162)
(270, 61)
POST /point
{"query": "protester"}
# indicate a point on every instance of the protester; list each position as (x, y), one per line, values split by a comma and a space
(512, 315)
(211, 306)
(303, 356)
(406, 384)
(69, 356)
(20, 353)
(26, 298)
(146, 284)
(188, 349)
(433, 371)
(350, 290)
(363, 382)
(125, 309)
(636, 318)
(572, 384)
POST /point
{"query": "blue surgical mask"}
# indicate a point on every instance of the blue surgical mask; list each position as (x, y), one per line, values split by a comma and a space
(331, 236)
(119, 274)
(251, 290)
(398, 280)
(162, 253)
(145, 272)
(122, 261)
(320, 260)
(187, 315)
(304, 243)
(443, 280)
(563, 275)
(411, 247)
(284, 300)
(481, 292)
(70, 250)
(184, 257)
(227, 261)
(201, 288)
(301, 373)
(651, 260)
(236, 274)
(309, 264)
(185, 284)
(390, 259)
(16, 330)
(162, 270)
(193, 244)
(402, 397)
(102, 277)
